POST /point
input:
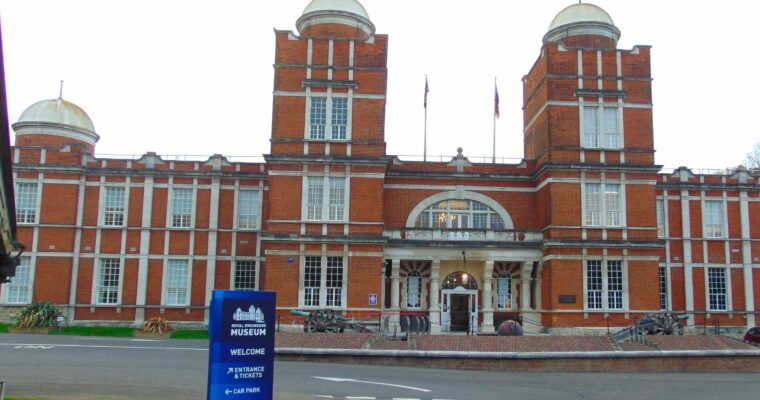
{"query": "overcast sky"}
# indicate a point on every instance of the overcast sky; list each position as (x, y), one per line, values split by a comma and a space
(195, 77)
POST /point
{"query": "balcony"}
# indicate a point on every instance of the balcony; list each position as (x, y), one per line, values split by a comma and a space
(473, 235)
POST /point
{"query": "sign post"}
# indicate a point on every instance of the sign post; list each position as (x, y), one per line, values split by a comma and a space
(241, 349)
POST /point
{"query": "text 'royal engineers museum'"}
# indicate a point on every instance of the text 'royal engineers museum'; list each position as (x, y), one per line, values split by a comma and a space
(585, 230)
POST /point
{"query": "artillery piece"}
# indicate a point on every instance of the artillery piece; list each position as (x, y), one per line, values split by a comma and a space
(327, 321)
(654, 324)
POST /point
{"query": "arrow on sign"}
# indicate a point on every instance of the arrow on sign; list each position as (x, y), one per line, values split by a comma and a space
(370, 383)
(227, 392)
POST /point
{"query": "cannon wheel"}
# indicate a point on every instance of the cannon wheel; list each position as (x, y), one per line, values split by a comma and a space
(322, 321)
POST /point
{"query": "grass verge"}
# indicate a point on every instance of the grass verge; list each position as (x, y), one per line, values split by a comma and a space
(190, 334)
(4, 328)
(94, 331)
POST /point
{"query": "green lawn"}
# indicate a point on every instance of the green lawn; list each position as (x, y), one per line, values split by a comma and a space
(4, 328)
(189, 334)
(94, 331)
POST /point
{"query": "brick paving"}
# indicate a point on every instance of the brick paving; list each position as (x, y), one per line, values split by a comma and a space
(698, 342)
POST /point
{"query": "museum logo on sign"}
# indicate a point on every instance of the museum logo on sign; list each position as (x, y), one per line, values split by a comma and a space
(248, 323)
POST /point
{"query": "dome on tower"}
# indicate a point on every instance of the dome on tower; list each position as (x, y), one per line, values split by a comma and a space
(55, 117)
(335, 12)
(582, 19)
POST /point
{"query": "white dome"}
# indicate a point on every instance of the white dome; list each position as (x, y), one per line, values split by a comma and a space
(59, 112)
(583, 12)
(349, 6)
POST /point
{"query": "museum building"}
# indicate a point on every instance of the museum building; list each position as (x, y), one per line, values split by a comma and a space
(585, 231)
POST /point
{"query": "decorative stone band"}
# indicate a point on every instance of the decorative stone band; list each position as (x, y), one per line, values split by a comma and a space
(582, 28)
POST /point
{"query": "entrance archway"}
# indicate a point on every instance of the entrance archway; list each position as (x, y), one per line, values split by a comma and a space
(459, 303)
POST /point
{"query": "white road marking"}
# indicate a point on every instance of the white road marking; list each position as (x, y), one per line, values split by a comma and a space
(93, 346)
(33, 347)
(371, 383)
(324, 397)
(360, 398)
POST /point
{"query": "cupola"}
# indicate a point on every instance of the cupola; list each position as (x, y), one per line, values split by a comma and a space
(583, 25)
(55, 122)
(335, 18)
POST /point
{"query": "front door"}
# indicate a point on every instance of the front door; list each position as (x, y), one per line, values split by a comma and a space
(459, 310)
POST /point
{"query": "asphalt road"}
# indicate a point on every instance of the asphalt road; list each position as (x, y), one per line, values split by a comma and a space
(66, 367)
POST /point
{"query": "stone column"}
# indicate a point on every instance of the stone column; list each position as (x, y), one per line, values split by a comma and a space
(539, 271)
(749, 290)
(435, 309)
(393, 322)
(525, 271)
(488, 297)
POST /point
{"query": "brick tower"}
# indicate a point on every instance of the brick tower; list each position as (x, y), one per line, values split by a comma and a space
(588, 125)
(327, 162)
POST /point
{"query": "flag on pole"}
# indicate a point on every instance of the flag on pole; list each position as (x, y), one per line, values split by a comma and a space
(496, 101)
(427, 89)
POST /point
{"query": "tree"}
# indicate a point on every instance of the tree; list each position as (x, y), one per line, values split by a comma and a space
(752, 161)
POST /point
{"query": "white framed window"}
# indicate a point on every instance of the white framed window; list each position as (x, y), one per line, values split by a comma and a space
(604, 285)
(414, 289)
(660, 204)
(248, 209)
(19, 289)
(113, 206)
(601, 127)
(504, 291)
(603, 204)
(716, 289)
(713, 219)
(108, 281)
(460, 214)
(336, 126)
(182, 207)
(245, 275)
(177, 282)
(323, 282)
(26, 203)
(663, 288)
(321, 203)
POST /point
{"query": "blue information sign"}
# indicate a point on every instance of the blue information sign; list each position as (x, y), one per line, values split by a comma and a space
(241, 352)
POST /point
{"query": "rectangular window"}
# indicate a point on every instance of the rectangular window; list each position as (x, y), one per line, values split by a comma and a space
(660, 218)
(318, 118)
(612, 204)
(248, 209)
(108, 281)
(504, 292)
(713, 215)
(611, 127)
(337, 193)
(590, 127)
(312, 281)
(182, 207)
(18, 289)
(176, 283)
(663, 288)
(413, 290)
(594, 284)
(339, 118)
(314, 198)
(245, 275)
(113, 206)
(593, 205)
(480, 221)
(26, 203)
(615, 285)
(334, 281)
(716, 280)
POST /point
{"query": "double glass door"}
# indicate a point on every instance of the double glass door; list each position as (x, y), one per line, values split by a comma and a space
(459, 310)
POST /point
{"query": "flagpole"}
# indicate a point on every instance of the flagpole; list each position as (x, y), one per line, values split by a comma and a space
(424, 149)
(496, 99)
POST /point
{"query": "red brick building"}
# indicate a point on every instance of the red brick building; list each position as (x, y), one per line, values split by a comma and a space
(585, 231)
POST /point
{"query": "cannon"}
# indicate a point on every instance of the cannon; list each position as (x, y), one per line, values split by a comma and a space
(330, 321)
(654, 324)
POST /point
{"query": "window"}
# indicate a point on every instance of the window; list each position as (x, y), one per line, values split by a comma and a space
(248, 209)
(504, 291)
(603, 204)
(18, 290)
(26, 203)
(459, 214)
(604, 285)
(337, 125)
(176, 283)
(113, 206)
(317, 206)
(716, 281)
(609, 135)
(319, 293)
(182, 207)
(660, 218)
(663, 288)
(713, 217)
(108, 281)
(245, 275)
(413, 289)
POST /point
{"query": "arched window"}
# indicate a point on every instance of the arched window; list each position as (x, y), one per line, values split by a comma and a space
(504, 290)
(459, 214)
(413, 289)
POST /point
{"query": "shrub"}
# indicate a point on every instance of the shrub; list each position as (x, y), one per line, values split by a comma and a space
(157, 325)
(38, 315)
